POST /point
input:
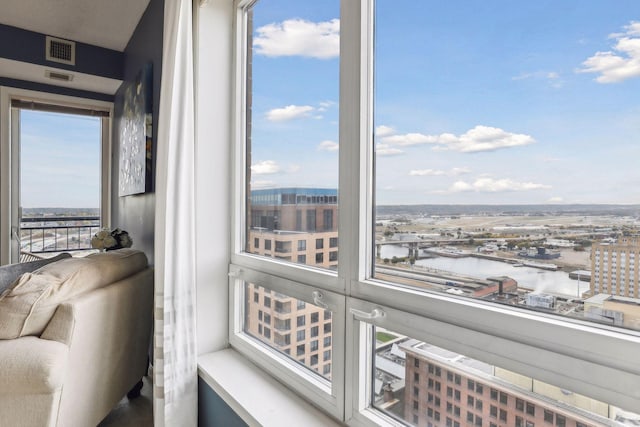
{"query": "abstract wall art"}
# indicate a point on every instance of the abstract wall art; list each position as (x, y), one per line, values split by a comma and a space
(136, 127)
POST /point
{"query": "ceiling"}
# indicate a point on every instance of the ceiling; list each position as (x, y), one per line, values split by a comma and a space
(104, 23)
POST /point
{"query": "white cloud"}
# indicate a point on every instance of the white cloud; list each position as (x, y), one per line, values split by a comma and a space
(426, 172)
(289, 112)
(384, 131)
(328, 146)
(432, 172)
(552, 77)
(266, 167)
(325, 105)
(620, 63)
(297, 37)
(386, 150)
(555, 200)
(490, 185)
(262, 184)
(459, 171)
(480, 138)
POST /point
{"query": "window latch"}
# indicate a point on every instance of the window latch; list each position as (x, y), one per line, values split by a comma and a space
(376, 313)
(317, 299)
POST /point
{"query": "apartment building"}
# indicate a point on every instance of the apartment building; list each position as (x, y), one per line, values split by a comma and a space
(614, 267)
(444, 388)
(295, 224)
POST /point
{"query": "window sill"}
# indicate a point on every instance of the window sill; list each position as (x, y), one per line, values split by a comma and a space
(256, 397)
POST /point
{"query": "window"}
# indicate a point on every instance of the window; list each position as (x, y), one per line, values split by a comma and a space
(300, 320)
(531, 409)
(302, 245)
(319, 243)
(333, 242)
(520, 404)
(300, 335)
(548, 416)
(256, 243)
(417, 163)
(504, 398)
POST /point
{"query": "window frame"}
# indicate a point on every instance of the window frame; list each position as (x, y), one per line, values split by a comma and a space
(546, 347)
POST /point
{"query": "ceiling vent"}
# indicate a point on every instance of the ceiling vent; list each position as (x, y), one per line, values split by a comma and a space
(58, 76)
(60, 50)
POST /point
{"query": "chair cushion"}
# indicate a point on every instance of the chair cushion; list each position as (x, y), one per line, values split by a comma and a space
(9, 273)
(27, 306)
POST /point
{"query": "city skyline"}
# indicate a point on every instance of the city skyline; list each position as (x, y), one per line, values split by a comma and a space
(472, 104)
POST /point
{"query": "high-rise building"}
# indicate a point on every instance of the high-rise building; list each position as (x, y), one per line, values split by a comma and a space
(299, 225)
(295, 224)
(615, 269)
(293, 327)
(444, 388)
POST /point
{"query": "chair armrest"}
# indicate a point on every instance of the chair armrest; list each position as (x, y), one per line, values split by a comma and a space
(32, 365)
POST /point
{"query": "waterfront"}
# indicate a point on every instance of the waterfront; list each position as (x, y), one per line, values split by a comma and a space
(554, 282)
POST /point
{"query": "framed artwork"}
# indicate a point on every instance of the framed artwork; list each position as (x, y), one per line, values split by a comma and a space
(136, 130)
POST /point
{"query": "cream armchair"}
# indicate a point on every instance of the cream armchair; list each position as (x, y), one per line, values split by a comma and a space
(92, 351)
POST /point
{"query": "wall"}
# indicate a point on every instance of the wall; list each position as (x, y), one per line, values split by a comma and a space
(136, 213)
(213, 411)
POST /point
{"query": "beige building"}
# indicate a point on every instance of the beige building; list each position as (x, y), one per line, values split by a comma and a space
(300, 330)
(298, 225)
(614, 310)
(615, 269)
(443, 388)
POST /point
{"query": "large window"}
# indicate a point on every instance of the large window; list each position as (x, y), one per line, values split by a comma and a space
(499, 178)
(292, 128)
(488, 216)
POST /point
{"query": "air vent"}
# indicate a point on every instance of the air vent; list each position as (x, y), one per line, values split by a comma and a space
(60, 50)
(56, 75)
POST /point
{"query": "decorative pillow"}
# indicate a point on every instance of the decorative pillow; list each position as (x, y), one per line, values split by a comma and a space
(28, 305)
(9, 273)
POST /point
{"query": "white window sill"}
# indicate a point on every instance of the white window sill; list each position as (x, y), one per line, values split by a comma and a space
(256, 397)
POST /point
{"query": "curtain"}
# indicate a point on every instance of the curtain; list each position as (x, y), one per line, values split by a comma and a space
(175, 356)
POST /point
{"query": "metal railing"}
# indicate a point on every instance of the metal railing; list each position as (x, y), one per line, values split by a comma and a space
(55, 234)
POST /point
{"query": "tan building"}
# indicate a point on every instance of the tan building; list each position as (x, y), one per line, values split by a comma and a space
(299, 225)
(295, 224)
(443, 388)
(301, 331)
(615, 269)
(613, 310)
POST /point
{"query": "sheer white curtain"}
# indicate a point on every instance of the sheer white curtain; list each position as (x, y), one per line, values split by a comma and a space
(175, 355)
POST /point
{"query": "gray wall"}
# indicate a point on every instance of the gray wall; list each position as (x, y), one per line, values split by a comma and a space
(213, 411)
(136, 213)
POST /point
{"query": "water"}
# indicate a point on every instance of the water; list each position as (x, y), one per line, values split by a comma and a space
(555, 282)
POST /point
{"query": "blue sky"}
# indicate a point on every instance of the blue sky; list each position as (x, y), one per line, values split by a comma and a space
(476, 102)
(60, 160)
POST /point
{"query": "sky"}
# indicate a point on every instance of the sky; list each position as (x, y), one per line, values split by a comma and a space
(489, 102)
(59, 160)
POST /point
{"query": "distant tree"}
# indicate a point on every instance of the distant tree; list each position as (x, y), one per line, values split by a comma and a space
(394, 260)
(412, 260)
(386, 260)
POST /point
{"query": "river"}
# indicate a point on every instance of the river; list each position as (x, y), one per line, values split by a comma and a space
(555, 282)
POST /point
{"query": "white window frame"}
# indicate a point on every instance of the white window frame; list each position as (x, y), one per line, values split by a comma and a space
(9, 169)
(594, 360)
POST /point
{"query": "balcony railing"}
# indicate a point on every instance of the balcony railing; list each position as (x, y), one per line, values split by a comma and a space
(55, 234)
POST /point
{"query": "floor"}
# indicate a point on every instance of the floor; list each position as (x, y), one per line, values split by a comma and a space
(135, 413)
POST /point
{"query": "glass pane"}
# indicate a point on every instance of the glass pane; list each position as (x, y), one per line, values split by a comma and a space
(506, 146)
(292, 131)
(58, 151)
(298, 329)
(425, 385)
